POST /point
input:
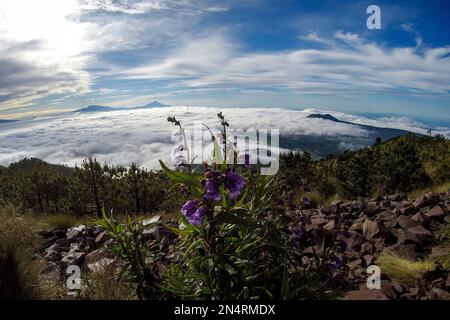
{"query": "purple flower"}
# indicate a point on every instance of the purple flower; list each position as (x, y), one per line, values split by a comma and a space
(212, 190)
(234, 183)
(193, 214)
(198, 216)
(189, 208)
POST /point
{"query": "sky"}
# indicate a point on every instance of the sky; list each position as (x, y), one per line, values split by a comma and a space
(61, 55)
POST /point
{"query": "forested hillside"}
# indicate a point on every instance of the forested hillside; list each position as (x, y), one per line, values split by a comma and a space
(32, 184)
(399, 165)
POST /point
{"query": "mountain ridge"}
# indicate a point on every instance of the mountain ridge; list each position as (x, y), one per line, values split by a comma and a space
(101, 108)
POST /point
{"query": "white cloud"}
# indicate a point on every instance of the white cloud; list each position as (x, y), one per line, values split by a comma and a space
(216, 62)
(314, 37)
(38, 57)
(347, 36)
(54, 47)
(144, 136)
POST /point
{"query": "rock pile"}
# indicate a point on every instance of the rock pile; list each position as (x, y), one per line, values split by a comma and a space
(364, 228)
(82, 246)
(87, 247)
(390, 223)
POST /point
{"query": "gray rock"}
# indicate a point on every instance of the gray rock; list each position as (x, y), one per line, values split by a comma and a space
(366, 248)
(355, 264)
(397, 287)
(372, 229)
(386, 215)
(75, 232)
(152, 233)
(408, 210)
(319, 221)
(388, 290)
(99, 266)
(52, 255)
(439, 294)
(420, 232)
(368, 259)
(435, 212)
(151, 220)
(102, 237)
(63, 242)
(418, 218)
(95, 256)
(406, 222)
(73, 258)
(406, 237)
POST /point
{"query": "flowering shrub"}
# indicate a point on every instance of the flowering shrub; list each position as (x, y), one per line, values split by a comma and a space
(235, 246)
(236, 241)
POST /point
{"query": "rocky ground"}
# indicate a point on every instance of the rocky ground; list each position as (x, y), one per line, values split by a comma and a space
(366, 228)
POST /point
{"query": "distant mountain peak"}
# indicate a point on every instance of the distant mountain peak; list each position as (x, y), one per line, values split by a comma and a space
(94, 108)
(100, 108)
(326, 116)
(153, 104)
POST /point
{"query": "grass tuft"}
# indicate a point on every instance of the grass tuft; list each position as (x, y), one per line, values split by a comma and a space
(403, 269)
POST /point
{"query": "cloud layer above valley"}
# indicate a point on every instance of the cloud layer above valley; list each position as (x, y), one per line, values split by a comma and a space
(144, 136)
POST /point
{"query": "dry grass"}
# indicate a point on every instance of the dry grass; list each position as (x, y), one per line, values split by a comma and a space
(403, 269)
(61, 221)
(105, 286)
(440, 189)
(20, 268)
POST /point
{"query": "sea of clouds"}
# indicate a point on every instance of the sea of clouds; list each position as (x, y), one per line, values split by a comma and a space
(144, 136)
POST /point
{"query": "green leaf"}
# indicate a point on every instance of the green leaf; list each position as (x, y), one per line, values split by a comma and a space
(233, 219)
(180, 232)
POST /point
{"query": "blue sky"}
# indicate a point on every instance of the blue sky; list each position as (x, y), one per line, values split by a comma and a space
(62, 55)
